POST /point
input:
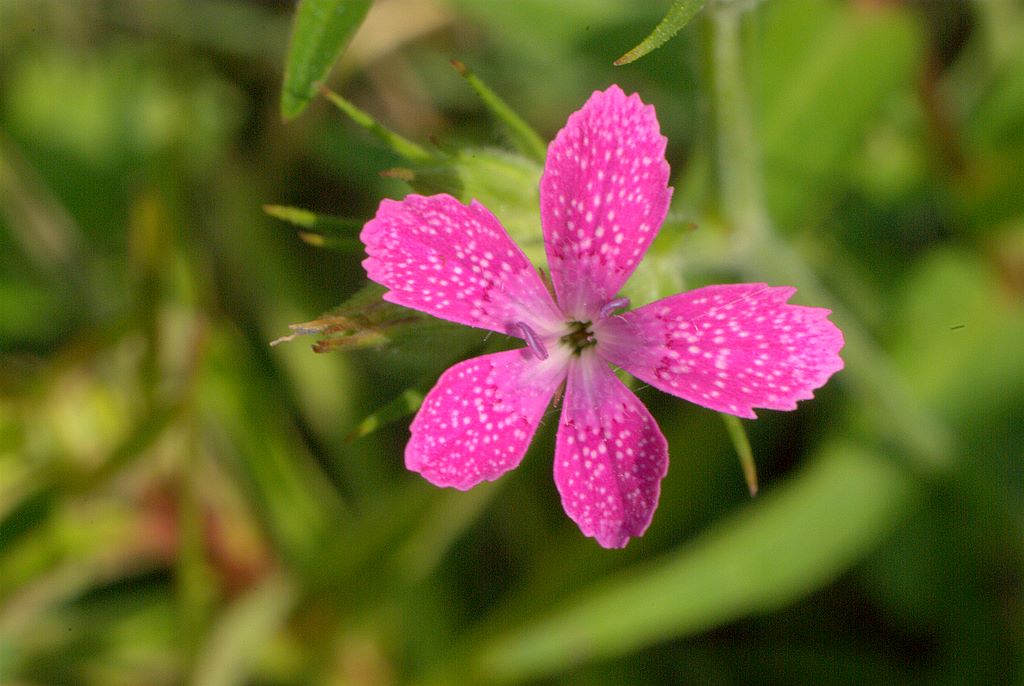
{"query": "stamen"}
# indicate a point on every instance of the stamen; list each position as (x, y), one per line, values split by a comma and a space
(612, 305)
(533, 340)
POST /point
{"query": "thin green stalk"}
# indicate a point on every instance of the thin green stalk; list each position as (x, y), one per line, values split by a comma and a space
(525, 139)
(193, 574)
(741, 443)
(926, 441)
(739, 160)
(398, 144)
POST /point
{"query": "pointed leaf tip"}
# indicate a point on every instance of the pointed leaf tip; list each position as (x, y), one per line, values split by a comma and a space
(741, 443)
(335, 233)
(364, 320)
(403, 405)
(398, 144)
(678, 16)
(521, 134)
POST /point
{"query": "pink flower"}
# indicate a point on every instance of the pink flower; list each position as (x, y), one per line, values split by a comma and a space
(603, 197)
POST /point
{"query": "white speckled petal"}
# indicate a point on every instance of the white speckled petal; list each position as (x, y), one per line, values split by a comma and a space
(478, 420)
(455, 262)
(603, 197)
(730, 348)
(610, 455)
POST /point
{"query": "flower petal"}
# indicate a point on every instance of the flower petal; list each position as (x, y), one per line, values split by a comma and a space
(478, 420)
(610, 455)
(730, 348)
(603, 197)
(455, 262)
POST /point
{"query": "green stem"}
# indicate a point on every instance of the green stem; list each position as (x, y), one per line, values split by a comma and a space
(759, 252)
(738, 158)
(742, 445)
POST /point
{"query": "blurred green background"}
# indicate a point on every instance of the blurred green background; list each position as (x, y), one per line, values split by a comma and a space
(181, 503)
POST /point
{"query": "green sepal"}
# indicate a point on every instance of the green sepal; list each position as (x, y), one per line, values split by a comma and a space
(365, 320)
(505, 183)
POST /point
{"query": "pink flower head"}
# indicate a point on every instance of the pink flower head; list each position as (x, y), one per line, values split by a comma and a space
(603, 197)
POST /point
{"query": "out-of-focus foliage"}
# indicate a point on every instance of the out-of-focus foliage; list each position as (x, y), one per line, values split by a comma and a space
(182, 503)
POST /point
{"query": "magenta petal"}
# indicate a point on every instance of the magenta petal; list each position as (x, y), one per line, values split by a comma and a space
(478, 420)
(456, 262)
(730, 348)
(610, 455)
(603, 197)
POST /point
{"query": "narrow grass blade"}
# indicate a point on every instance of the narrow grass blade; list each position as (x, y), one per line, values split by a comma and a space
(398, 144)
(525, 139)
(679, 15)
(318, 240)
(311, 220)
(333, 233)
(321, 31)
(404, 404)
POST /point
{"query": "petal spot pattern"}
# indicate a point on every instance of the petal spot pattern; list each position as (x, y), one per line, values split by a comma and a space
(455, 262)
(478, 420)
(610, 456)
(729, 348)
(603, 196)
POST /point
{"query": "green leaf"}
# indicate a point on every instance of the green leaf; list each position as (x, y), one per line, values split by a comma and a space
(678, 16)
(767, 556)
(525, 139)
(321, 30)
(318, 240)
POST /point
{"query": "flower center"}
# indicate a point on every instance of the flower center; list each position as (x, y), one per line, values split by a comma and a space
(579, 338)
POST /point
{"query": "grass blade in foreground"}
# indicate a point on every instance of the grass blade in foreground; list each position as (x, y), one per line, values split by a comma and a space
(679, 15)
(321, 31)
(827, 516)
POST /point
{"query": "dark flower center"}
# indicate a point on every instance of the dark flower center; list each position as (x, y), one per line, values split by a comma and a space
(579, 338)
